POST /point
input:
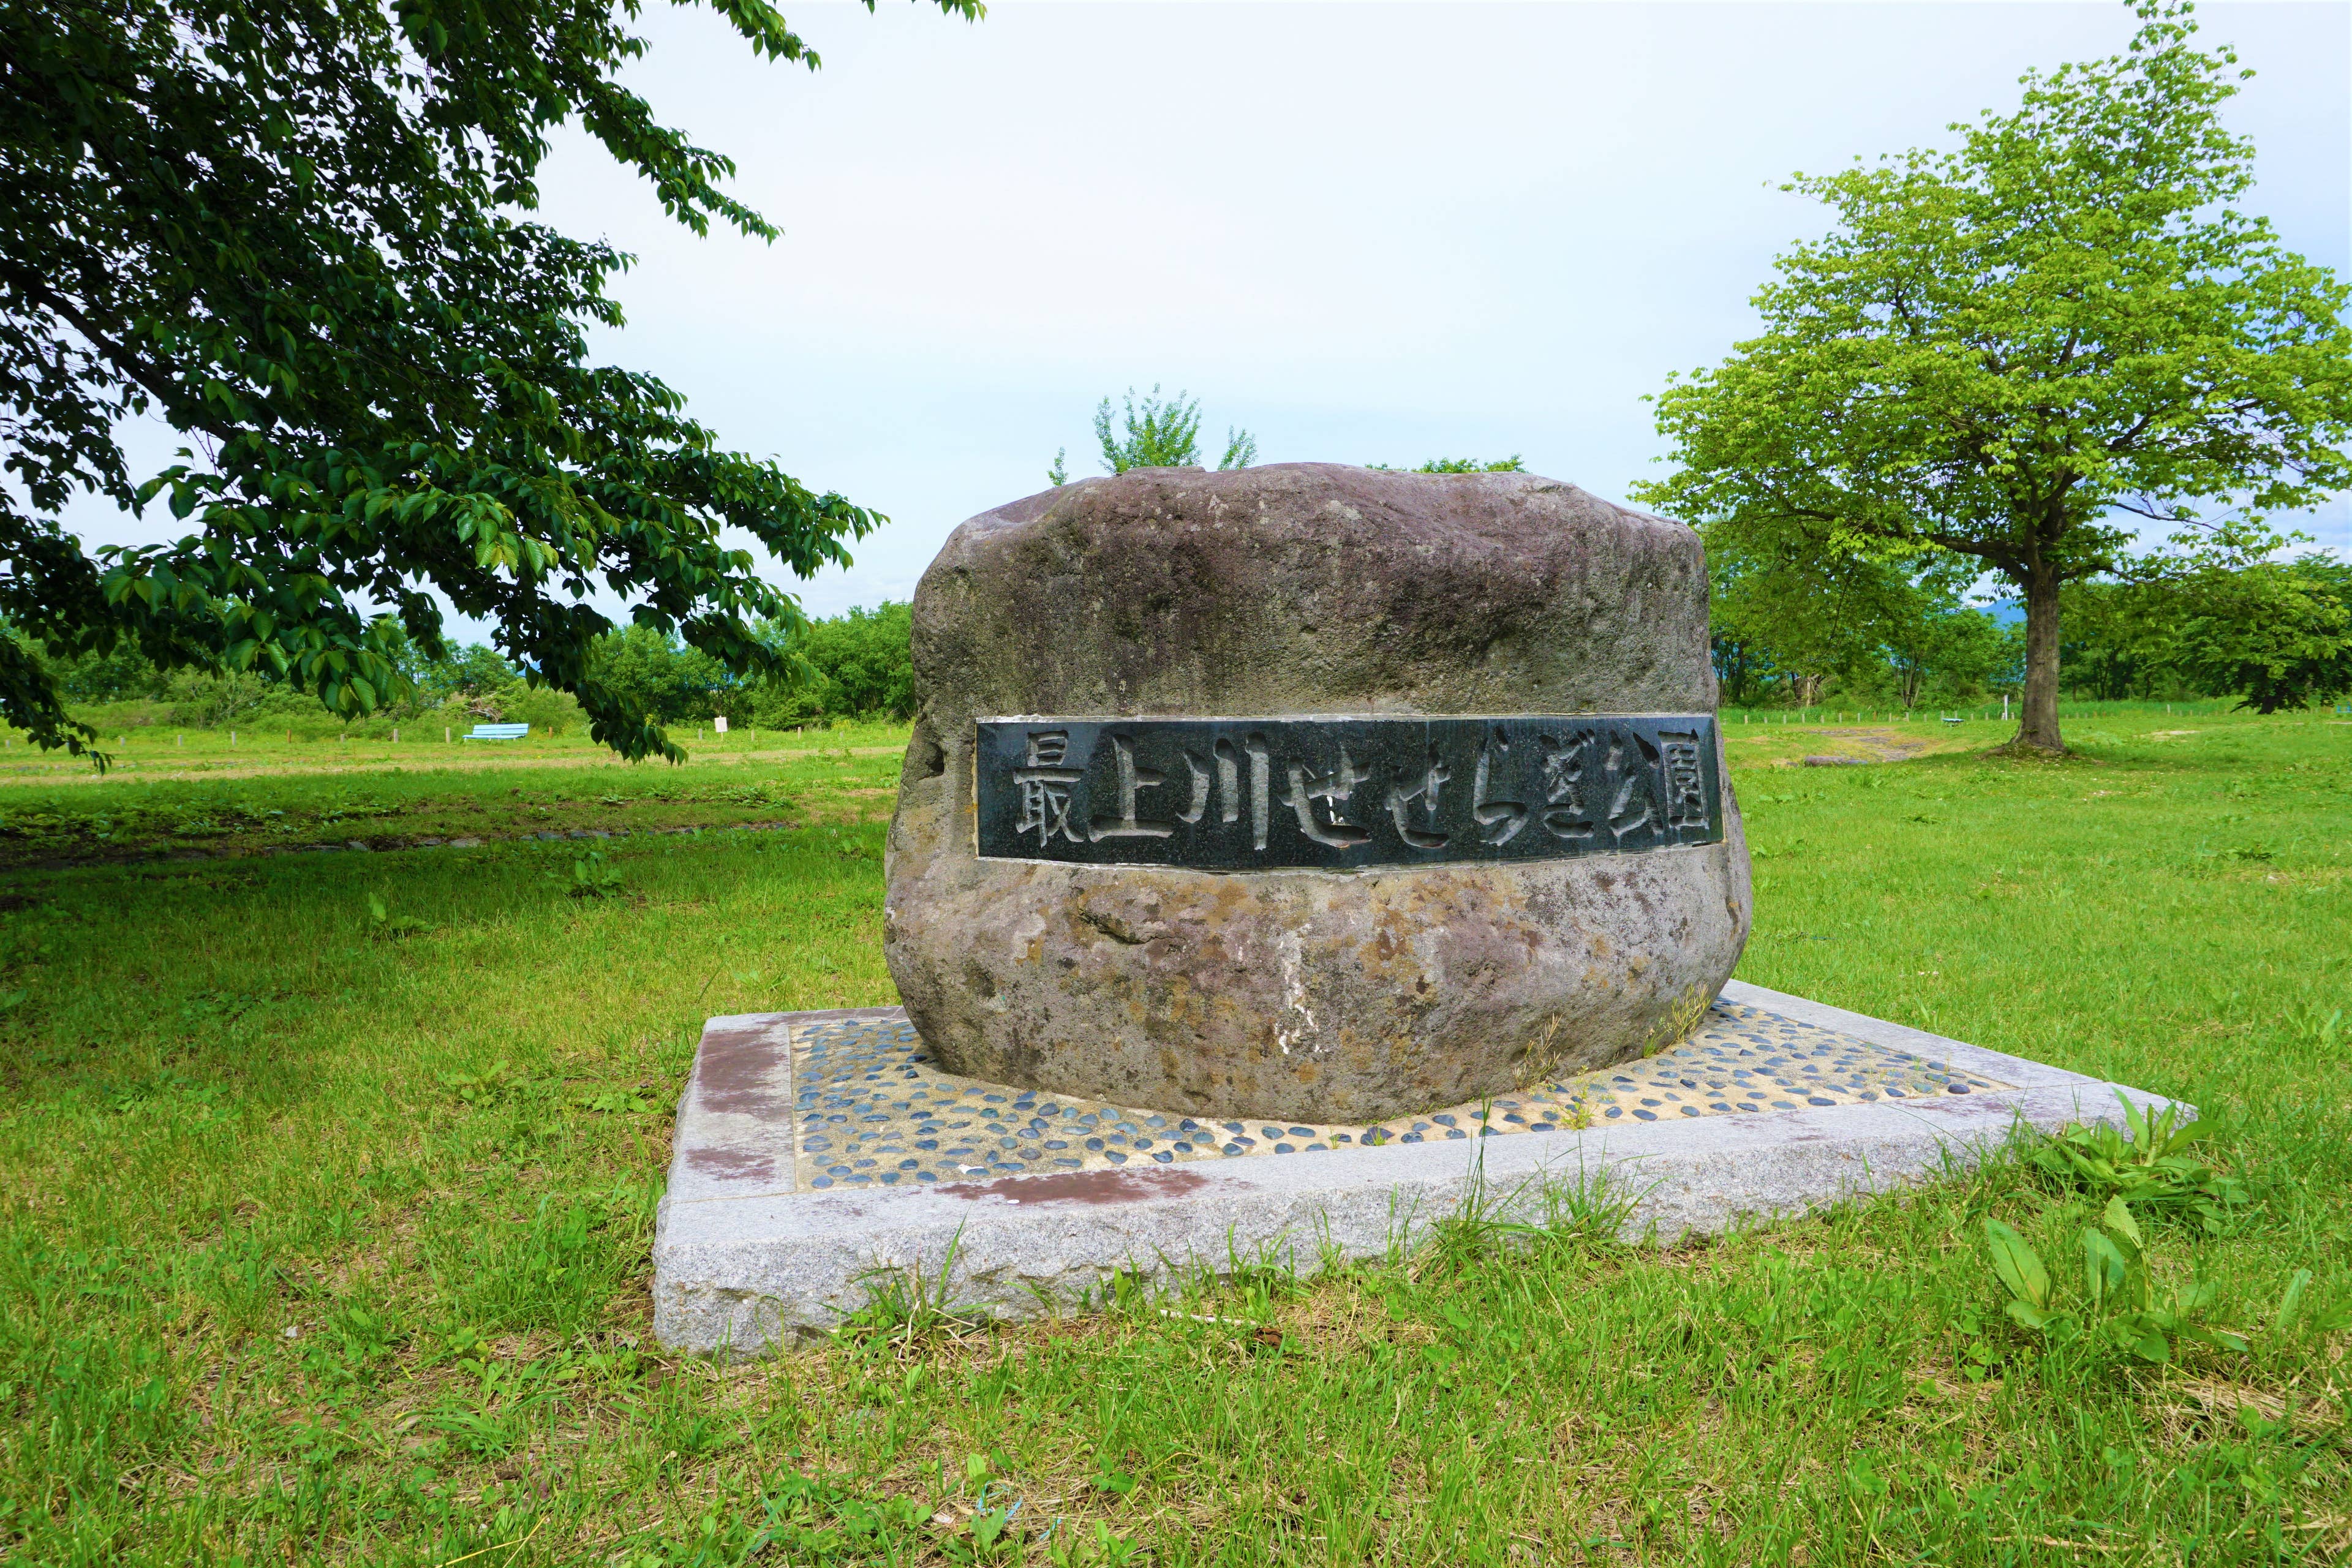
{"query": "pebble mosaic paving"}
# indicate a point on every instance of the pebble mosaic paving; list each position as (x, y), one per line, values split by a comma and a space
(871, 1110)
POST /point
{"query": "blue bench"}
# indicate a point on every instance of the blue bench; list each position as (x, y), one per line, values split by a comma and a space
(498, 733)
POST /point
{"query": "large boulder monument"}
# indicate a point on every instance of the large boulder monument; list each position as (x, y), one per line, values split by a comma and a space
(1285, 860)
(1311, 792)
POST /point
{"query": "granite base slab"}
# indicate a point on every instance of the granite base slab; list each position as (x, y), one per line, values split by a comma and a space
(817, 1151)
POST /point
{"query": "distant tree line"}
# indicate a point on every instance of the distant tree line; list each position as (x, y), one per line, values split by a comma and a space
(2237, 617)
(1794, 626)
(854, 666)
(1511, 465)
(2273, 631)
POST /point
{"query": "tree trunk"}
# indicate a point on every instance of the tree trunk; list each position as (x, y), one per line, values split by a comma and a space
(1805, 689)
(2037, 711)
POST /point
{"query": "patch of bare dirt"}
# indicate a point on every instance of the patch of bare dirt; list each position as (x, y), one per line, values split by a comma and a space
(1876, 746)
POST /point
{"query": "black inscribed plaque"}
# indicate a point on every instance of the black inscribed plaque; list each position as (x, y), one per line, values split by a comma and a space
(1240, 795)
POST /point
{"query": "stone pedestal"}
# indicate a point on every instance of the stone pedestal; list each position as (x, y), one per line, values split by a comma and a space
(821, 1155)
(1311, 792)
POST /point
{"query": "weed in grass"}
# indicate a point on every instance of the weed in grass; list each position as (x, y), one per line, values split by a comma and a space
(1097, 1548)
(383, 926)
(592, 877)
(807, 1520)
(2122, 1313)
(1587, 1214)
(2324, 1034)
(2146, 1161)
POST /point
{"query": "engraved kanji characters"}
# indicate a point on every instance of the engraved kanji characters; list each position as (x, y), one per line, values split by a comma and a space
(1043, 786)
(1198, 806)
(1225, 794)
(1130, 779)
(1685, 783)
(1612, 780)
(1566, 785)
(1229, 788)
(1630, 786)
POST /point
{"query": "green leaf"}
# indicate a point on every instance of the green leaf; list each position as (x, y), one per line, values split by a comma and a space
(2147, 1342)
(2117, 1217)
(2104, 1267)
(2291, 1303)
(2017, 1264)
(2027, 1317)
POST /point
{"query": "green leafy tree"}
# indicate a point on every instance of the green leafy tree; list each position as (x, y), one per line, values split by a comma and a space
(668, 678)
(1932, 643)
(465, 671)
(299, 231)
(858, 664)
(2237, 619)
(1158, 434)
(1742, 666)
(2003, 348)
(1804, 614)
(2106, 653)
(866, 659)
(209, 699)
(120, 674)
(2227, 614)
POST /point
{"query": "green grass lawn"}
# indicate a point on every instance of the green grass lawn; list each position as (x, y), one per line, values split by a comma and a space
(160, 800)
(326, 1232)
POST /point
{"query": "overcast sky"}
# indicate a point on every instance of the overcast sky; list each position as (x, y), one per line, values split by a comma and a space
(1368, 233)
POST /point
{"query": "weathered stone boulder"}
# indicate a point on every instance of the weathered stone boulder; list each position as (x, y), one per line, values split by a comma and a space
(1289, 793)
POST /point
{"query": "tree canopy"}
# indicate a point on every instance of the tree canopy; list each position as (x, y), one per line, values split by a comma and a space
(1155, 433)
(2003, 349)
(299, 232)
(1888, 630)
(2234, 616)
(1511, 465)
